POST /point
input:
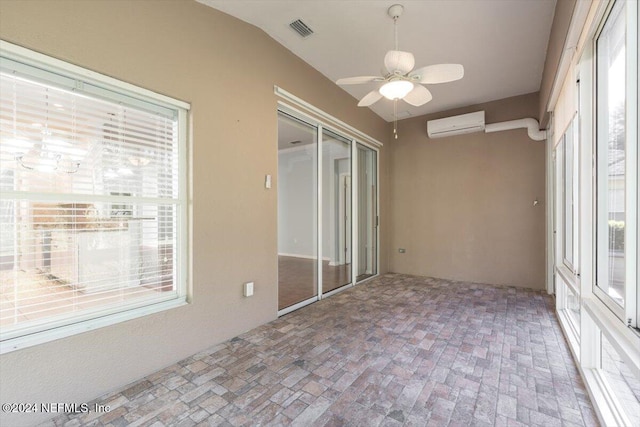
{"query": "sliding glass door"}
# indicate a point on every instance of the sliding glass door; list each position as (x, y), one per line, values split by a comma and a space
(336, 211)
(367, 213)
(297, 211)
(327, 217)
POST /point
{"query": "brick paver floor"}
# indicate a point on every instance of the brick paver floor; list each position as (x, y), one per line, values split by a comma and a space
(396, 350)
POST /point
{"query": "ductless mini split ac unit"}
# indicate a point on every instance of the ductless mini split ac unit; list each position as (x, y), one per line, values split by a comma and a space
(474, 122)
(456, 125)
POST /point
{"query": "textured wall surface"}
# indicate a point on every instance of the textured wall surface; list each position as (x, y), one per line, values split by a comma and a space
(227, 70)
(462, 206)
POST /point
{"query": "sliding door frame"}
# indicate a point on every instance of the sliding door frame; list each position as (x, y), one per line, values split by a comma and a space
(339, 128)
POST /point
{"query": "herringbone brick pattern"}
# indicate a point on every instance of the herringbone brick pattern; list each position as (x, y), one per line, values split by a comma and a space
(397, 350)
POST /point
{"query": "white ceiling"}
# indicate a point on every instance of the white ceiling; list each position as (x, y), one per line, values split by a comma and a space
(501, 43)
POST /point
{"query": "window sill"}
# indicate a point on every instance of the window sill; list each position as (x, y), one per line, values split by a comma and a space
(570, 332)
(605, 403)
(569, 278)
(625, 341)
(42, 337)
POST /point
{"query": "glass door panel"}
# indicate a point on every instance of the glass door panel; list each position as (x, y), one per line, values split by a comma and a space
(367, 194)
(336, 211)
(297, 211)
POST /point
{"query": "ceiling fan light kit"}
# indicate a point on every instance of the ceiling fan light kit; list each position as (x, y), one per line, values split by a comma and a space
(400, 82)
(396, 89)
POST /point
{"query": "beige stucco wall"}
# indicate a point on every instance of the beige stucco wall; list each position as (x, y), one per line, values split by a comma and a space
(226, 69)
(462, 206)
(559, 30)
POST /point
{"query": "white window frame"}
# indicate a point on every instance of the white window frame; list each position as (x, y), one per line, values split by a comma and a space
(597, 319)
(628, 312)
(570, 136)
(565, 276)
(103, 86)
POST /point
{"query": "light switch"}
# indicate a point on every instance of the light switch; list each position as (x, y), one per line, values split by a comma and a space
(267, 181)
(248, 289)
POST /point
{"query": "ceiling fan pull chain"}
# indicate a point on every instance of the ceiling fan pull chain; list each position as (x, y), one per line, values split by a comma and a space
(395, 118)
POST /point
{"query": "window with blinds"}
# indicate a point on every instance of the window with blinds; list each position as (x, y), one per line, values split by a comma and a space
(93, 206)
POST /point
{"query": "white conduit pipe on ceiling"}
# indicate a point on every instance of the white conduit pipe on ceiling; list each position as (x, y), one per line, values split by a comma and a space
(532, 126)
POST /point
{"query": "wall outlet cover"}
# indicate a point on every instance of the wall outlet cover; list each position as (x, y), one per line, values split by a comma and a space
(248, 289)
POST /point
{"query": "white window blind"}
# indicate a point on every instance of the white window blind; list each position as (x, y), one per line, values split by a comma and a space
(92, 207)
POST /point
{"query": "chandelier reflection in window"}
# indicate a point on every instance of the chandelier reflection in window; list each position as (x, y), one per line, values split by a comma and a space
(50, 156)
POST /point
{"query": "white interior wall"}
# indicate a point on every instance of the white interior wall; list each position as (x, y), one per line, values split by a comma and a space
(297, 205)
(296, 199)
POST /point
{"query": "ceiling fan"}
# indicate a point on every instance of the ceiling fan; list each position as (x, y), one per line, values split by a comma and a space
(400, 82)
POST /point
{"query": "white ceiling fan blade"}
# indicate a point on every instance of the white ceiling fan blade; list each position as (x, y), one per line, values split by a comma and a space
(441, 73)
(357, 80)
(420, 95)
(397, 60)
(370, 99)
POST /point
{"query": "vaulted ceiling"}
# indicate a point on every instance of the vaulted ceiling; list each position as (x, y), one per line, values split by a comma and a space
(501, 43)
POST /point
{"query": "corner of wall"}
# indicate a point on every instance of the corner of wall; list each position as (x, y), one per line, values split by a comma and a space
(557, 36)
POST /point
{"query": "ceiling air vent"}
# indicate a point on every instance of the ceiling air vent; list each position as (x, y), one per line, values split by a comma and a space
(301, 28)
